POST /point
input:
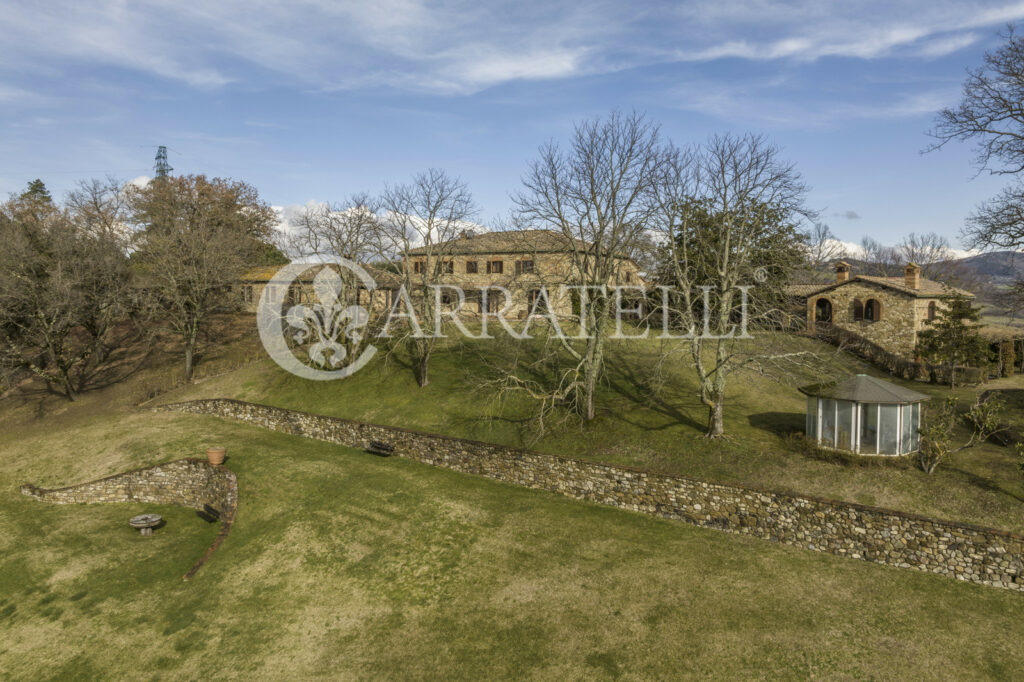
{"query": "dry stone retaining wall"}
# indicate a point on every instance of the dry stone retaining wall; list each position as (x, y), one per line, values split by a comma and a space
(185, 482)
(966, 552)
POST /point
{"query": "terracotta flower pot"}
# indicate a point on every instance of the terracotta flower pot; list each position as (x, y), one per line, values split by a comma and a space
(215, 455)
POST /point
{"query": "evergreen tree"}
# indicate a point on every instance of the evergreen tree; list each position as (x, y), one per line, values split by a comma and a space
(36, 191)
(953, 339)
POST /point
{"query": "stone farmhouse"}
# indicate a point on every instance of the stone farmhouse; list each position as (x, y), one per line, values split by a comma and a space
(886, 311)
(522, 261)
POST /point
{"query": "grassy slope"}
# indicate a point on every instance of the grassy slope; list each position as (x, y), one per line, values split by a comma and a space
(662, 432)
(345, 565)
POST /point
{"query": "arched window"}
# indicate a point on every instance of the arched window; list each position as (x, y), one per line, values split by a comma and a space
(872, 310)
(823, 310)
(931, 310)
(858, 310)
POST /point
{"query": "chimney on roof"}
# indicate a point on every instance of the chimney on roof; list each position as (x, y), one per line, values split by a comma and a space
(912, 276)
(842, 271)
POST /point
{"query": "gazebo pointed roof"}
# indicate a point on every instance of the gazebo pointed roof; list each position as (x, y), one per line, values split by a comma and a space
(864, 389)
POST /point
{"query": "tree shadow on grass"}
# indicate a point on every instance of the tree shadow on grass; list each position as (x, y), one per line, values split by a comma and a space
(779, 423)
(986, 484)
(627, 383)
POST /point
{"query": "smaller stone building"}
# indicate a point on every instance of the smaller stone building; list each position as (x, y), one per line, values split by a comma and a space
(887, 311)
(252, 284)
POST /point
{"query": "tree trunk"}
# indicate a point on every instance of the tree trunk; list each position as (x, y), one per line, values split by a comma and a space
(190, 348)
(716, 424)
(422, 368)
(69, 391)
(594, 357)
(588, 393)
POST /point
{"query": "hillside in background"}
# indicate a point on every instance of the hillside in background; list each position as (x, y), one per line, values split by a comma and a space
(984, 274)
(1000, 268)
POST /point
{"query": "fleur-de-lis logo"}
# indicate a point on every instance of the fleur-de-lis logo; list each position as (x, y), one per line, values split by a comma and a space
(327, 321)
(327, 328)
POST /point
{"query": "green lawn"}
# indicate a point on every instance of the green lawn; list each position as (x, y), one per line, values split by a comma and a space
(341, 564)
(344, 565)
(661, 430)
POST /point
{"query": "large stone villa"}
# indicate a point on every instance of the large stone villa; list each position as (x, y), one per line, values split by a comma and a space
(521, 261)
(887, 311)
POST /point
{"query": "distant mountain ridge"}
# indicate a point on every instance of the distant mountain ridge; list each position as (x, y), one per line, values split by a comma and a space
(998, 269)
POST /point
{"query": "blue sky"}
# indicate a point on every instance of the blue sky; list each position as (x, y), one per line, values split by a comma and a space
(318, 100)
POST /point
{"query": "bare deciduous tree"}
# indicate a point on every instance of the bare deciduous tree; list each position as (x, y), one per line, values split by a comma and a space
(879, 260)
(599, 195)
(822, 248)
(729, 212)
(939, 431)
(64, 287)
(101, 207)
(420, 222)
(990, 115)
(196, 238)
(347, 230)
(990, 112)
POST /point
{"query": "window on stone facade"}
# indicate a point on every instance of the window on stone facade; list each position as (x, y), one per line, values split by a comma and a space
(471, 267)
(495, 300)
(932, 312)
(448, 267)
(823, 311)
(533, 298)
(417, 267)
(858, 310)
(247, 293)
(495, 267)
(629, 277)
(872, 310)
(524, 266)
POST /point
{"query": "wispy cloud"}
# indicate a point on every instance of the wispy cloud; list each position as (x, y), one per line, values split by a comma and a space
(457, 47)
(785, 104)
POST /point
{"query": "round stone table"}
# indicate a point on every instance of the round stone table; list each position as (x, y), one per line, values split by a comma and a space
(145, 523)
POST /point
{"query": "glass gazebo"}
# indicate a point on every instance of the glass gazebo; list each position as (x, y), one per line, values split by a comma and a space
(864, 415)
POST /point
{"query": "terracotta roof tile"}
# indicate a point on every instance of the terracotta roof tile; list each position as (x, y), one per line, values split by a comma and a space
(929, 287)
(804, 290)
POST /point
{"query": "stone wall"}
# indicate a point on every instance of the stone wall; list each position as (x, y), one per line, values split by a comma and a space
(185, 482)
(897, 329)
(966, 552)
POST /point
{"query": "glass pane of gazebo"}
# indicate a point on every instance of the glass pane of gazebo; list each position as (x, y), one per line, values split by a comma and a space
(812, 417)
(844, 425)
(869, 429)
(888, 418)
(915, 435)
(828, 422)
(908, 429)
